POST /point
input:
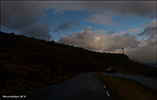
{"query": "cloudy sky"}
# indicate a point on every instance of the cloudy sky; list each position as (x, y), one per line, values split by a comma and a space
(103, 26)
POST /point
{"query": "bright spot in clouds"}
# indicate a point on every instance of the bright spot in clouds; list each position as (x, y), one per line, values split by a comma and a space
(145, 48)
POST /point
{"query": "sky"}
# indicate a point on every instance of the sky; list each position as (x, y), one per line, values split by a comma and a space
(101, 26)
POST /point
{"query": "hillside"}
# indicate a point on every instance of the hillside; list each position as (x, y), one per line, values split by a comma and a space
(29, 63)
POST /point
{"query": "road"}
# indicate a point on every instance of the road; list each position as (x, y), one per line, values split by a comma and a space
(82, 86)
(142, 79)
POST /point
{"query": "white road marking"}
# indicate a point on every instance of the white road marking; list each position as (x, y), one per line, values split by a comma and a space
(107, 93)
(104, 86)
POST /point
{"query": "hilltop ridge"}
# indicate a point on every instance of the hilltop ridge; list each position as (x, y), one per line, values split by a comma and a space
(29, 63)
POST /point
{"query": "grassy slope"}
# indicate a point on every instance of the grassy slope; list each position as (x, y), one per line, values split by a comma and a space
(28, 63)
(124, 89)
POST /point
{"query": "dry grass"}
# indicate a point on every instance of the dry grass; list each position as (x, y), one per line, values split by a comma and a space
(124, 89)
(17, 84)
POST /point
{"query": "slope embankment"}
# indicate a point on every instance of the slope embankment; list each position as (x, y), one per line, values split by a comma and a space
(29, 63)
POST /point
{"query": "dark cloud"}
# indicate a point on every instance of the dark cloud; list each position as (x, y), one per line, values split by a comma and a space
(123, 8)
(66, 25)
(19, 15)
(39, 31)
(101, 19)
(25, 17)
(149, 31)
(139, 8)
(110, 32)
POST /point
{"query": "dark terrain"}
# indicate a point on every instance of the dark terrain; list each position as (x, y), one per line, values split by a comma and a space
(29, 63)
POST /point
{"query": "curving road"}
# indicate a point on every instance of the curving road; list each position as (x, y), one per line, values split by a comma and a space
(83, 86)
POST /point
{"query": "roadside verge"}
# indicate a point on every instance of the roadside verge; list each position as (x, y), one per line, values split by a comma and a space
(127, 89)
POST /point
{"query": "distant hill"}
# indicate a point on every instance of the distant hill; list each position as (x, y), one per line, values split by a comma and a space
(149, 64)
(29, 63)
(135, 60)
